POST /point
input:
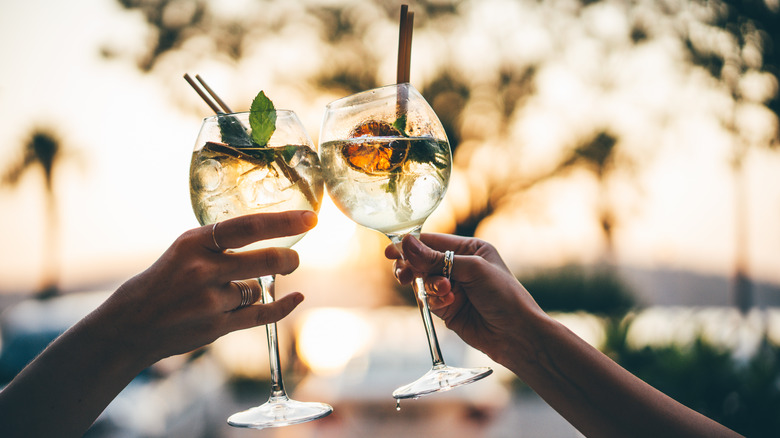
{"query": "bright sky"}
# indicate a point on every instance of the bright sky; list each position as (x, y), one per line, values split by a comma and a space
(123, 195)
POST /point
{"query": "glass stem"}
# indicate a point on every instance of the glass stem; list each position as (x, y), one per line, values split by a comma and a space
(430, 331)
(277, 385)
(422, 302)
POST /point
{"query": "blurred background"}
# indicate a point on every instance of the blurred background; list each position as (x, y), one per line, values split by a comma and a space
(621, 155)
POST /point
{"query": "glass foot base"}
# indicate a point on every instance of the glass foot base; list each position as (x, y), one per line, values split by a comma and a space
(442, 378)
(279, 412)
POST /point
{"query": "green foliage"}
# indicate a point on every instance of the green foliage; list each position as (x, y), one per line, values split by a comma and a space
(575, 288)
(742, 394)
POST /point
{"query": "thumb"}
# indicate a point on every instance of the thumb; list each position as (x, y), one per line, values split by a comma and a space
(422, 258)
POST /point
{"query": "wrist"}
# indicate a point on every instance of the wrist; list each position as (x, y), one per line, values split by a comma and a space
(526, 346)
(105, 328)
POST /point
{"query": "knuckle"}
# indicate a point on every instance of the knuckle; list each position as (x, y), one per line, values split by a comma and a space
(212, 299)
(198, 270)
(179, 246)
(186, 236)
(475, 245)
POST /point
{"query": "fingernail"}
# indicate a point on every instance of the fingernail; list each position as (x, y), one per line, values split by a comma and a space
(309, 218)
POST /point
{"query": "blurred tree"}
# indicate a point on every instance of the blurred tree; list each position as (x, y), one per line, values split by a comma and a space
(744, 53)
(481, 103)
(42, 151)
(575, 288)
(741, 393)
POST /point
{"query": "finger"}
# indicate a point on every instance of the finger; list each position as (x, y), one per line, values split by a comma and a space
(443, 242)
(403, 273)
(392, 252)
(257, 263)
(242, 293)
(440, 302)
(429, 261)
(243, 230)
(439, 286)
(422, 258)
(260, 314)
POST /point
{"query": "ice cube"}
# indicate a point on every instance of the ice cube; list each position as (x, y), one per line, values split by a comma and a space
(208, 175)
(424, 194)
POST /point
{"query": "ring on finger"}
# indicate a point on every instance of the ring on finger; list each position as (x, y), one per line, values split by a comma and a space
(246, 293)
(214, 237)
(449, 257)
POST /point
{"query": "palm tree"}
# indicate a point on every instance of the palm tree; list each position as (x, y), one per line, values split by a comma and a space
(42, 151)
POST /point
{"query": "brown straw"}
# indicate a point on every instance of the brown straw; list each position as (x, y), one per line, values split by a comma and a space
(214, 95)
(405, 45)
(404, 60)
(202, 95)
(408, 52)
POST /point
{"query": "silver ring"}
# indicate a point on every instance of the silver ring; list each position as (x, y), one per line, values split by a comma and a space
(246, 293)
(214, 238)
(449, 257)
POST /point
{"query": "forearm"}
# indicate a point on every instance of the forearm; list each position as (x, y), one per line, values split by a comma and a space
(596, 395)
(66, 387)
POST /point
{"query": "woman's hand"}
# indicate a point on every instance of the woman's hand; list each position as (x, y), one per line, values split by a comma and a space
(186, 298)
(183, 301)
(482, 301)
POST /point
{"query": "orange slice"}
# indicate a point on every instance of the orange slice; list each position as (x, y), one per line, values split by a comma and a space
(374, 156)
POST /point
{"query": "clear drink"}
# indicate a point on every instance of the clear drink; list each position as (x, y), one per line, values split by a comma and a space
(261, 161)
(389, 184)
(227, 182)
(387, 163)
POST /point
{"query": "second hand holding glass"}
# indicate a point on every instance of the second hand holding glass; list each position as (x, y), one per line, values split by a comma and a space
(387, 162)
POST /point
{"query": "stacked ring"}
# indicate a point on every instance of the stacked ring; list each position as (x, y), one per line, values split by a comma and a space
(449, 257)
(246, 293)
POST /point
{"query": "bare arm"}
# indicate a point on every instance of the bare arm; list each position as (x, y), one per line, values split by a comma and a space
(492, 311)
(599, 397)
(183, 301)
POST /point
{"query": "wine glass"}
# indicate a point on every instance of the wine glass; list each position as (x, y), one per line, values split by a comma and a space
(387, 162)
(230, 176)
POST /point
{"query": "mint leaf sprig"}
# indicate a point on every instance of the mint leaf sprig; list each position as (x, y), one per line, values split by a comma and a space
(262, 119)
(254, 148)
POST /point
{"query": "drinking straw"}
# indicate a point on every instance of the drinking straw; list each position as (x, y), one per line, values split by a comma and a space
(202, 95)
(404, 59)
(405, 45)
(214, 95)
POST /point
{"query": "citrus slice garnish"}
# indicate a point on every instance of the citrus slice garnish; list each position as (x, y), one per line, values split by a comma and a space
(375, 156)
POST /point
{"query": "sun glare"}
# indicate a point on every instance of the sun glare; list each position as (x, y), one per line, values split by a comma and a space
(324, 245)
(329, 337)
